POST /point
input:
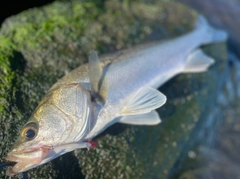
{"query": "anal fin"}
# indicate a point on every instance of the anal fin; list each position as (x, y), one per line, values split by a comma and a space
(197, 61)
(151, 118)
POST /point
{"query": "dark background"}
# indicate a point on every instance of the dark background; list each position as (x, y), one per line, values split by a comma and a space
(12, 7)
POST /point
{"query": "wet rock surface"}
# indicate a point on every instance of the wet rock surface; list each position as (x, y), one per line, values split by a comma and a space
(41, 45)
(219, 157)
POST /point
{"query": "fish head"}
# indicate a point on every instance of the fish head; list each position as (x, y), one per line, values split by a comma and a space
(29, 150)
(60, 120)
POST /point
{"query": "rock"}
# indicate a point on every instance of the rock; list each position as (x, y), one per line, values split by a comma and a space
(223, 14)
(40, 45)
(220, 157)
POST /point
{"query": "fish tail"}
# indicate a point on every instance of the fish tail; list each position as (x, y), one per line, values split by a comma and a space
(210, 34)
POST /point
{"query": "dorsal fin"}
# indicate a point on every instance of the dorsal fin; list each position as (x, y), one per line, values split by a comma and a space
(98, 81)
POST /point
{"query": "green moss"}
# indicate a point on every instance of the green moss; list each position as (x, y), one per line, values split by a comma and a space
(6, 52)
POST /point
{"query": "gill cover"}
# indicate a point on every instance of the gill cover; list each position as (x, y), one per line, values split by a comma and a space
(66, 112)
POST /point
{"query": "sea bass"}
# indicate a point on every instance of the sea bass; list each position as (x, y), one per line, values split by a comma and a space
(118, 88)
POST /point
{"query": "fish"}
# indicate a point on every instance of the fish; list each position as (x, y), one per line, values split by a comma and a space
(121, 87)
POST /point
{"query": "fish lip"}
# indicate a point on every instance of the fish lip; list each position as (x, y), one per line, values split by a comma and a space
(23, 163)
(11, 169)
(18, 166)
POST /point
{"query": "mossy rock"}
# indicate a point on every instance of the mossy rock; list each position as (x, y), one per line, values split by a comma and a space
(40, 45)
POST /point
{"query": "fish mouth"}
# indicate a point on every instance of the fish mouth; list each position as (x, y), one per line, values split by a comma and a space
(25, 160)
(18, 166)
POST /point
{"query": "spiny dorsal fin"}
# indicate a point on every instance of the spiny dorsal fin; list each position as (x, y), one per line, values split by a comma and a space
(98, 81)
(143, 101)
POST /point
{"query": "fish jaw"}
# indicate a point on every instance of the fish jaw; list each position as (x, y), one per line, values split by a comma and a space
(26, 159)
(40, 154)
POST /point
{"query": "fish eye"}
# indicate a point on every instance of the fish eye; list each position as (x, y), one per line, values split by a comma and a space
(30, 130)
(30, 133)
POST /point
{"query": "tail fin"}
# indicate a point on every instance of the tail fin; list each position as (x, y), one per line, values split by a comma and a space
(211, 35)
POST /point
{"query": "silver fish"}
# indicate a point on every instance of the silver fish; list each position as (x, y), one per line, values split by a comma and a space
(117, 88)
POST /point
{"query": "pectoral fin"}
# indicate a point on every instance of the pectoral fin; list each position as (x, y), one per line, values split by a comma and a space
(197, 61)
(151, 118)
(145, 100)
(98, 81)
